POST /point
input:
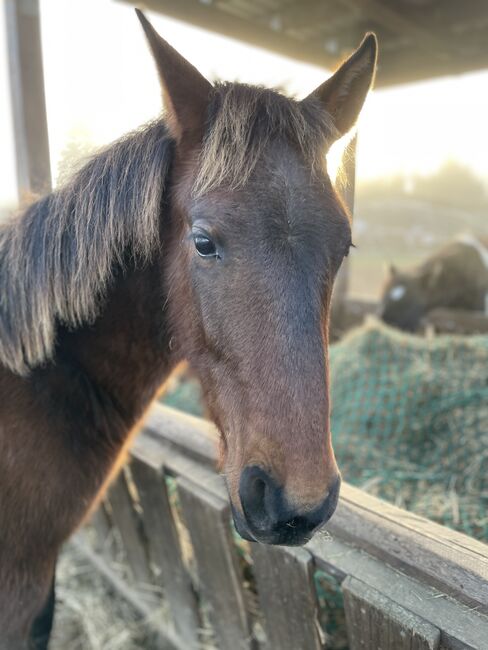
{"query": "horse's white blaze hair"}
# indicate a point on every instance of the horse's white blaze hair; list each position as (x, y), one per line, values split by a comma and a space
(397, 292)
(57, 258)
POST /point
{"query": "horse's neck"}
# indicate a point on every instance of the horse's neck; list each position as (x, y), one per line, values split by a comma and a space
(65, 426)
(125, 354)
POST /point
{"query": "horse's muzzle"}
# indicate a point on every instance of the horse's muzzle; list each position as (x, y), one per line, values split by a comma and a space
(268, 518)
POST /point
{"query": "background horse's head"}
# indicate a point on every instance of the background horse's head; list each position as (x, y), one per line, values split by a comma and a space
(257, 235)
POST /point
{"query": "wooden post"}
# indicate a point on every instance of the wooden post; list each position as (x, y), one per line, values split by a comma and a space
(164, 551)
(28, 98)
(346, 187)
(129, 526)
(207, 519)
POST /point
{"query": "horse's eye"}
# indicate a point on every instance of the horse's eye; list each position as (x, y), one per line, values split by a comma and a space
(205, 246)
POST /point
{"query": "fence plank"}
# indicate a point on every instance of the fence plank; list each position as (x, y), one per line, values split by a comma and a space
(165, 552)
(287, 597)
(101, 524)
(127, 522)
(432, 553)
(375, 622)
(207, 519)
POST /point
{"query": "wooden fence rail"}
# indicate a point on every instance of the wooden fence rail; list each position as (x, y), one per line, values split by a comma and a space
(406, 583)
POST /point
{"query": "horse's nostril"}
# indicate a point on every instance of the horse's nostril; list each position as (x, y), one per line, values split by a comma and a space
(258, 493)
(258, 490)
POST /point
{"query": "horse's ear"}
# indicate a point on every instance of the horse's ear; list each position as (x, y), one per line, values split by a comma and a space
(344, 93)
(185, 91)
(390, 270)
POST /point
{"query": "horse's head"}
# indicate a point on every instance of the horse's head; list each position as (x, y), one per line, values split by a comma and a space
(408, 295)
(257, 237)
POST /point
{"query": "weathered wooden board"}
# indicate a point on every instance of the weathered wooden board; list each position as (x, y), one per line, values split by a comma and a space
(461, 626)
(456, 321)
(154, 452)
(195, 437)
(101, 524)
(375, 622)
(207, 519)
(287, 597)
(443, 557)
(127, 522)
(164, 551)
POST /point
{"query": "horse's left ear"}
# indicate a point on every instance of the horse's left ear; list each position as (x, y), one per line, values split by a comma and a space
(344, 93)
(185, 91)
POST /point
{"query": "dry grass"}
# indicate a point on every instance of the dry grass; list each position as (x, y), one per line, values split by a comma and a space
(89, 616)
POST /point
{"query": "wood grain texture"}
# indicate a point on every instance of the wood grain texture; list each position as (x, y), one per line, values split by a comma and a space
(287, 597)
(375, 622)
(164, 551)
(101, 524)
(127, 523)
(207, 518)
(438, 555)
(460, 625)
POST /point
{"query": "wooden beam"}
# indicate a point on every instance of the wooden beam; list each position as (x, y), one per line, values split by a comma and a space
(384, 15)
(429, 55)
(209, 17)
(28, 98)
(405, 66)
(346, 186)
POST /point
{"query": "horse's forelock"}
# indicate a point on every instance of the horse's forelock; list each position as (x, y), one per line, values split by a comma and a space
(243, 119)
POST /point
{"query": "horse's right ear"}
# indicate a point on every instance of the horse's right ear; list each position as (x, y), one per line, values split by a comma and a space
(390, 270)
(185, 91)
(343, 94)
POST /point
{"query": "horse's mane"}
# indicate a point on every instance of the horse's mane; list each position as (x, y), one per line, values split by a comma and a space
(57, 257)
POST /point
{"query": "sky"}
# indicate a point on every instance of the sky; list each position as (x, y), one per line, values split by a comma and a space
(101, 82)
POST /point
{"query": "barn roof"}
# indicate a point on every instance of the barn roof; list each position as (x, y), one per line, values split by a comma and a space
(419, 39)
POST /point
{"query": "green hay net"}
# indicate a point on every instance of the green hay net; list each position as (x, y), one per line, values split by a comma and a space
(409, 421)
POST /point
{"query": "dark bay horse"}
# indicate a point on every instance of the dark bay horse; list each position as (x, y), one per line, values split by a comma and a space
(212, 235)
(453, 277)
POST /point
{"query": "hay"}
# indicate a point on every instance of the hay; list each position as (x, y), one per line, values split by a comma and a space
(89, 616)
(410, 422)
